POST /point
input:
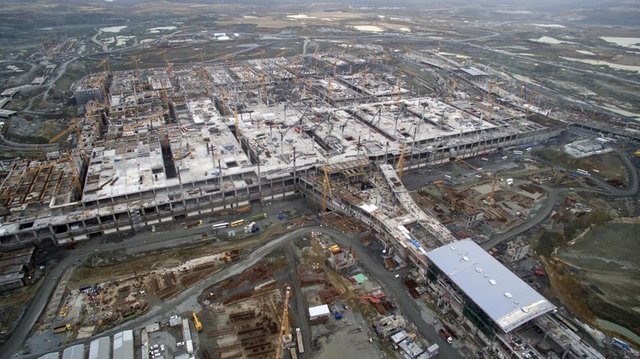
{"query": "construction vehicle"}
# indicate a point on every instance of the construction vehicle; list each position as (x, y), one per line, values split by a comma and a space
(299, 340)
(243, 209)
(63, 328)
(196, 322)
(193, 224)
(285, 340)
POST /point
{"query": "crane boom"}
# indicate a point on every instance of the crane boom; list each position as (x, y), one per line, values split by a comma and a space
(285, 337)
(73, 126)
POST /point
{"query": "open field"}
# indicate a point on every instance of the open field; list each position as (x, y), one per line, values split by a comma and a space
(606, 166)
(13, 304)
(119, 266)
(604, 263)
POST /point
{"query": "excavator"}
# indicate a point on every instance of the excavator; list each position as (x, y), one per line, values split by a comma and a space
(196, 321)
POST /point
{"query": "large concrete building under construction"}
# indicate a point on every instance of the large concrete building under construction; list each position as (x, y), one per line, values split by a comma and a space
(205, 140)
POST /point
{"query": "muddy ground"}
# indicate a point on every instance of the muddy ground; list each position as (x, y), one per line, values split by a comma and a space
(605, 262)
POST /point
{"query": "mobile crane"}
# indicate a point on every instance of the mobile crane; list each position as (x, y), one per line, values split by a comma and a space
(285, 340)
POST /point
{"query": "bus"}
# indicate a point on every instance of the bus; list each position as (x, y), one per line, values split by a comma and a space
(237, 223)
(220, 225)
(620, 344)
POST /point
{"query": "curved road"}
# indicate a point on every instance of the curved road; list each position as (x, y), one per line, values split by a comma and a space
(555, 193)
(28, 146)
(139, 244)
(59, 72)
(407, 305)
(386, 278)
(133, 245)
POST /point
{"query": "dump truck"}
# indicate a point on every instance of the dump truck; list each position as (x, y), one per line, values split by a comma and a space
(193, 224)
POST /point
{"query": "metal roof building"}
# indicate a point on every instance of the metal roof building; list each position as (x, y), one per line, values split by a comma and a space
(505, 298)
(123, 345)
(100, 348)
(50, 356)
(74, 352)
(318, 311)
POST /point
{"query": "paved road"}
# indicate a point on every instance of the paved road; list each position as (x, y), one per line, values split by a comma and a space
(59, 72)
(139, 245)
(395, 289)
(299, 303)
(408, 306)
(554, 194)
(28, 146)
(94, 39)
(406, 303)
(36, 307)
(141, 242)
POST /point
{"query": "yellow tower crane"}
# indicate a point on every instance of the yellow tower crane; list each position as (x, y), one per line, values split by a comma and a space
(105, 64)
(491, 197)
(164, 96)
(168, 65)
(74, 126)
(136, 61)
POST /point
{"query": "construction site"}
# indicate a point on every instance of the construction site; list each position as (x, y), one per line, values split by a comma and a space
(212, 149)
(157, 145)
